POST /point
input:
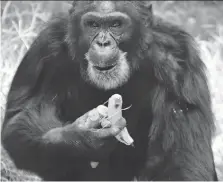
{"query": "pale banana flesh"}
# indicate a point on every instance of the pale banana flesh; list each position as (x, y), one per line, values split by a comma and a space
(115, 112)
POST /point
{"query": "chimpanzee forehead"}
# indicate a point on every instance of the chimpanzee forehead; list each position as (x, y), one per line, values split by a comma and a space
(103, 9)
(105, 6)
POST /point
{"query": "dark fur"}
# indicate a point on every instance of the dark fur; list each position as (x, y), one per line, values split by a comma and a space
(171, 119)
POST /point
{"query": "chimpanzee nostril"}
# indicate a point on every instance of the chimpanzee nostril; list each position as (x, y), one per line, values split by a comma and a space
(103, 44)
(107, 43)
(99, 44)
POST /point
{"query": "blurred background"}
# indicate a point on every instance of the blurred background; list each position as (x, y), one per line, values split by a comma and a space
(22, 20)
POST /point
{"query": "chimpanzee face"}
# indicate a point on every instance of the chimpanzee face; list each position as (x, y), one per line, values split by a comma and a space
(103, 29)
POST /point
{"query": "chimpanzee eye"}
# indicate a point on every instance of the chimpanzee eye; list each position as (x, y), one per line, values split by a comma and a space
(93, 24)
(116, 23)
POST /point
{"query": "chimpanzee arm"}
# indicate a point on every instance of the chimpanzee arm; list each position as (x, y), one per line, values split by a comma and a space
(182, 128)
(36, 141)
(32, 133)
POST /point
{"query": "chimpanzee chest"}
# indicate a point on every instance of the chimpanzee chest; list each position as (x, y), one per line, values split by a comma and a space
(122, 165)
(125, 161)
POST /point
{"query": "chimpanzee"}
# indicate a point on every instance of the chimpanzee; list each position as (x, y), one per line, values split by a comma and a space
(77, 62)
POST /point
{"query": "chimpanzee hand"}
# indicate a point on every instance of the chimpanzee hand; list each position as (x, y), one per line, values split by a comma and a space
(90, 139)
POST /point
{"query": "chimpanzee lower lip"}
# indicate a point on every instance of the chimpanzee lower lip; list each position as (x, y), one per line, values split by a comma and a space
(106, 68)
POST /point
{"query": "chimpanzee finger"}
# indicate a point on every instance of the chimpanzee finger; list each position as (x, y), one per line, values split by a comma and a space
(93, 119)
(95, 116)
(105, 123)
(88, 120)
(81, 120)
(114, 130)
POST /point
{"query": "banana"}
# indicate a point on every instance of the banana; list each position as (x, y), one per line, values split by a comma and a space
(115, 113)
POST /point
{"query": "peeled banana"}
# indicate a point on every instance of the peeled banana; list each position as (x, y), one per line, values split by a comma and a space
(115, 113)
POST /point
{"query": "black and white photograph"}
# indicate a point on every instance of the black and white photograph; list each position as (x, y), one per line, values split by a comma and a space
(111, 91)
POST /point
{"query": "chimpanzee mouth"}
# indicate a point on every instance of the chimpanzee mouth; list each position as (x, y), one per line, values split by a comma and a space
(105, 68)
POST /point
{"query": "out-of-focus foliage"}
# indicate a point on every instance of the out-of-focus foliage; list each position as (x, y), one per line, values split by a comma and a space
(22, 20)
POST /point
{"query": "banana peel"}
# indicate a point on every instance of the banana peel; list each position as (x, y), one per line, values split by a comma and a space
(114, 112)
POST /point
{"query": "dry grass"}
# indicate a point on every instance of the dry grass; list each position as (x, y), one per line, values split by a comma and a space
(21, 21)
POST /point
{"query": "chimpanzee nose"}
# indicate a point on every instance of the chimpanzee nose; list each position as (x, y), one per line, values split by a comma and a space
(103, 43)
